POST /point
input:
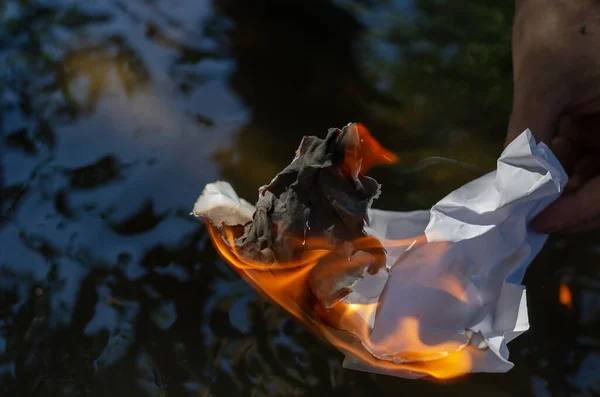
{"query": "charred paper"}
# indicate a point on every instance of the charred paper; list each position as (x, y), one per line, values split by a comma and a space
(322, 196)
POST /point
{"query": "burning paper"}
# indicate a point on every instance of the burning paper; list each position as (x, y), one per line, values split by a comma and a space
(407, 294)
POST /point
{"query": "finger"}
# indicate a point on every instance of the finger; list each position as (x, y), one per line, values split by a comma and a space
(573, 211)
(533, 113)
(566, 152)
(590, 224)
(585, 169)
(583, 130)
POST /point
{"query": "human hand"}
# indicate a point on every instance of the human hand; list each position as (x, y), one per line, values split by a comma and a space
(556, 68)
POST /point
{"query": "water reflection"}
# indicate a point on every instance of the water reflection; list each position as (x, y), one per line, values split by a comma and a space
(115, 114)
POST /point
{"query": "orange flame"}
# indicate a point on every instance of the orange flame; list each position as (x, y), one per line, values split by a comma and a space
(347, 325)
(564, 296)
(285, 284)
(368, 153)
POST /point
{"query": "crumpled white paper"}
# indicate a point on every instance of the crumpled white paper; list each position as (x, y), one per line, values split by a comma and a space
(477, 242)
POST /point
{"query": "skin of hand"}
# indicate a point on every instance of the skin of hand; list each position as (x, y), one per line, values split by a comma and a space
(556, 71)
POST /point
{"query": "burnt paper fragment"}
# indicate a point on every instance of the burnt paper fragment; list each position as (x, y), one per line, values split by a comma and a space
(320, 196)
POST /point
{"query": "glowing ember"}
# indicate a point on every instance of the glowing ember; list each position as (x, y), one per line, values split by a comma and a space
(564, 296)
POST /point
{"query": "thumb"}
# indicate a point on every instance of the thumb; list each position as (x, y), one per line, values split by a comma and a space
(533, 112)
(573, 212)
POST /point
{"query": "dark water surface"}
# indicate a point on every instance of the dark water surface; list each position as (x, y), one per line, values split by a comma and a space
(116, 113)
